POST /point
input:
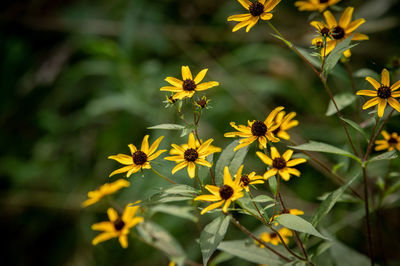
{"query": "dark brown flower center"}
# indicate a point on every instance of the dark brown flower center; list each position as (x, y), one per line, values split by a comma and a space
(323, 1)
(225, 192)
(276, 131)
(189, 85)
(258, 128)
(139, 157)
(337, 33)
(324, 31)
(279, 163)
(319, 44)
(171, 99)
(245, 180)
(202, 103)
(384, 92)
(190, 155)
(119, 224)
(256, 9)
(392, 141)
(273, 235)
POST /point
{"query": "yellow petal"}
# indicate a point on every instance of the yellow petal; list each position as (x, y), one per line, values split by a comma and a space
(132, 148)
(199, 77)
(122, 170)
(192, 141)
(227, 177)
(381, 107)
(385, 134)
(274, 153)
(206, 85)
(245, 3)
(264, 158)
(396, 94)
(171, 88)
(207, 198)
(270, 5)
(293, 171)
(174, 82)
(186, 74)
(266, 16)
(287, 155)
(394, 103)
(103, 237)
(346, 17)
(284, 174)
(191, 169)
(122, 158)
(241, 25)
(395, 86)
(240, 17)
(226, 205)
(318, 25)
(367, 93)
(112, 214)
(354, 25)
(373, 82)
(370, 103)
(179, 167)
(270, 173)
(270, 118)
(252, 22)
(123, 240)
(129, 212)
(263, 142)
(330, 19)
(203, 162)
(295, 162)
(103, 226)
(213, 189)
(145, 144)
(155, 145)
(211, 207)
(134, 169)
(385, 79)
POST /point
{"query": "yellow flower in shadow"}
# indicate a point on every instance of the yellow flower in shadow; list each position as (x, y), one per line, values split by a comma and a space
(274, 239)
(104, 190)
(117, 227)
(285, 123)
(248, 179)
(314, 5)
(390, 142)
(224, 195)
(257, 10)
(383, 93)
(139, 159)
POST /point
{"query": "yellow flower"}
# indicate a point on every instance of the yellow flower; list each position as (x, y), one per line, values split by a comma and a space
(139, 159)
(274, 239)
(390, 142)
(202, 103)
(104, 190)
(247, 180)
(338, 31)
(186, 87)
(285, 123)
(256, 129)
(281, 164)
(290, 211)
(191, 154)
(312, 5)
(117, 226)
(258, 9)
(383, 93)
(230, 191)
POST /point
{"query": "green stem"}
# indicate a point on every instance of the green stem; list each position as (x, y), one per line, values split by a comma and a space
(163, 176)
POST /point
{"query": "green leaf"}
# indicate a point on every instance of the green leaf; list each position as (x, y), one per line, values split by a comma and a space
(312, 59)
(248, 206)
(262, 198)
(188, 128)
(326, 148)
(366, 72)
(356, 127)
(282, 39)
(204, 171)
(168, 127)
(212, 235)
(333, 58)
(384, 156)
(325, 207)
(298, 224)
(171, 194)
(156, 236)
(393, 188)
(230, 158)
(342, 100)
(343, 255)
(273, 184)
(248, 251)
(178, 211)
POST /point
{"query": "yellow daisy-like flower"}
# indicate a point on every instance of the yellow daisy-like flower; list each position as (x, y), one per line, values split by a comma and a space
(383, 93)
(285, 123)
(338, 31)
(230, 191)
(390, 142)
(281, 165)
(139, 159)
(313, 5)
(104, 190)
(202, 103)
(247, 180)
(188, 155)
(274, 239)
(186, 87)
(256, 129)
(257, 10)
(117, 226)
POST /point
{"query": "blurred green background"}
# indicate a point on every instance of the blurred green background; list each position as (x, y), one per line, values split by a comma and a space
(80, 80)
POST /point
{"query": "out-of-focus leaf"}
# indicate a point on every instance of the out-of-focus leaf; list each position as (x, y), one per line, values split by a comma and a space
(212, 235)
(365, 72)
(156, 236)
(171, 194)
(326, 148)
(179, 211)
(384, 156)
(230, 158)
(187, 129)
(168, 127)
(356, 127)
(344, 255)
(298, 224)
(204, 171)
(342, 100)
(272, 184)
(333, 58)
(262, 198)
(248, 206)
(248, 251)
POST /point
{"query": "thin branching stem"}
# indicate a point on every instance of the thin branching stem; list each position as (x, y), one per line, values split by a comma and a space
(163, 176)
